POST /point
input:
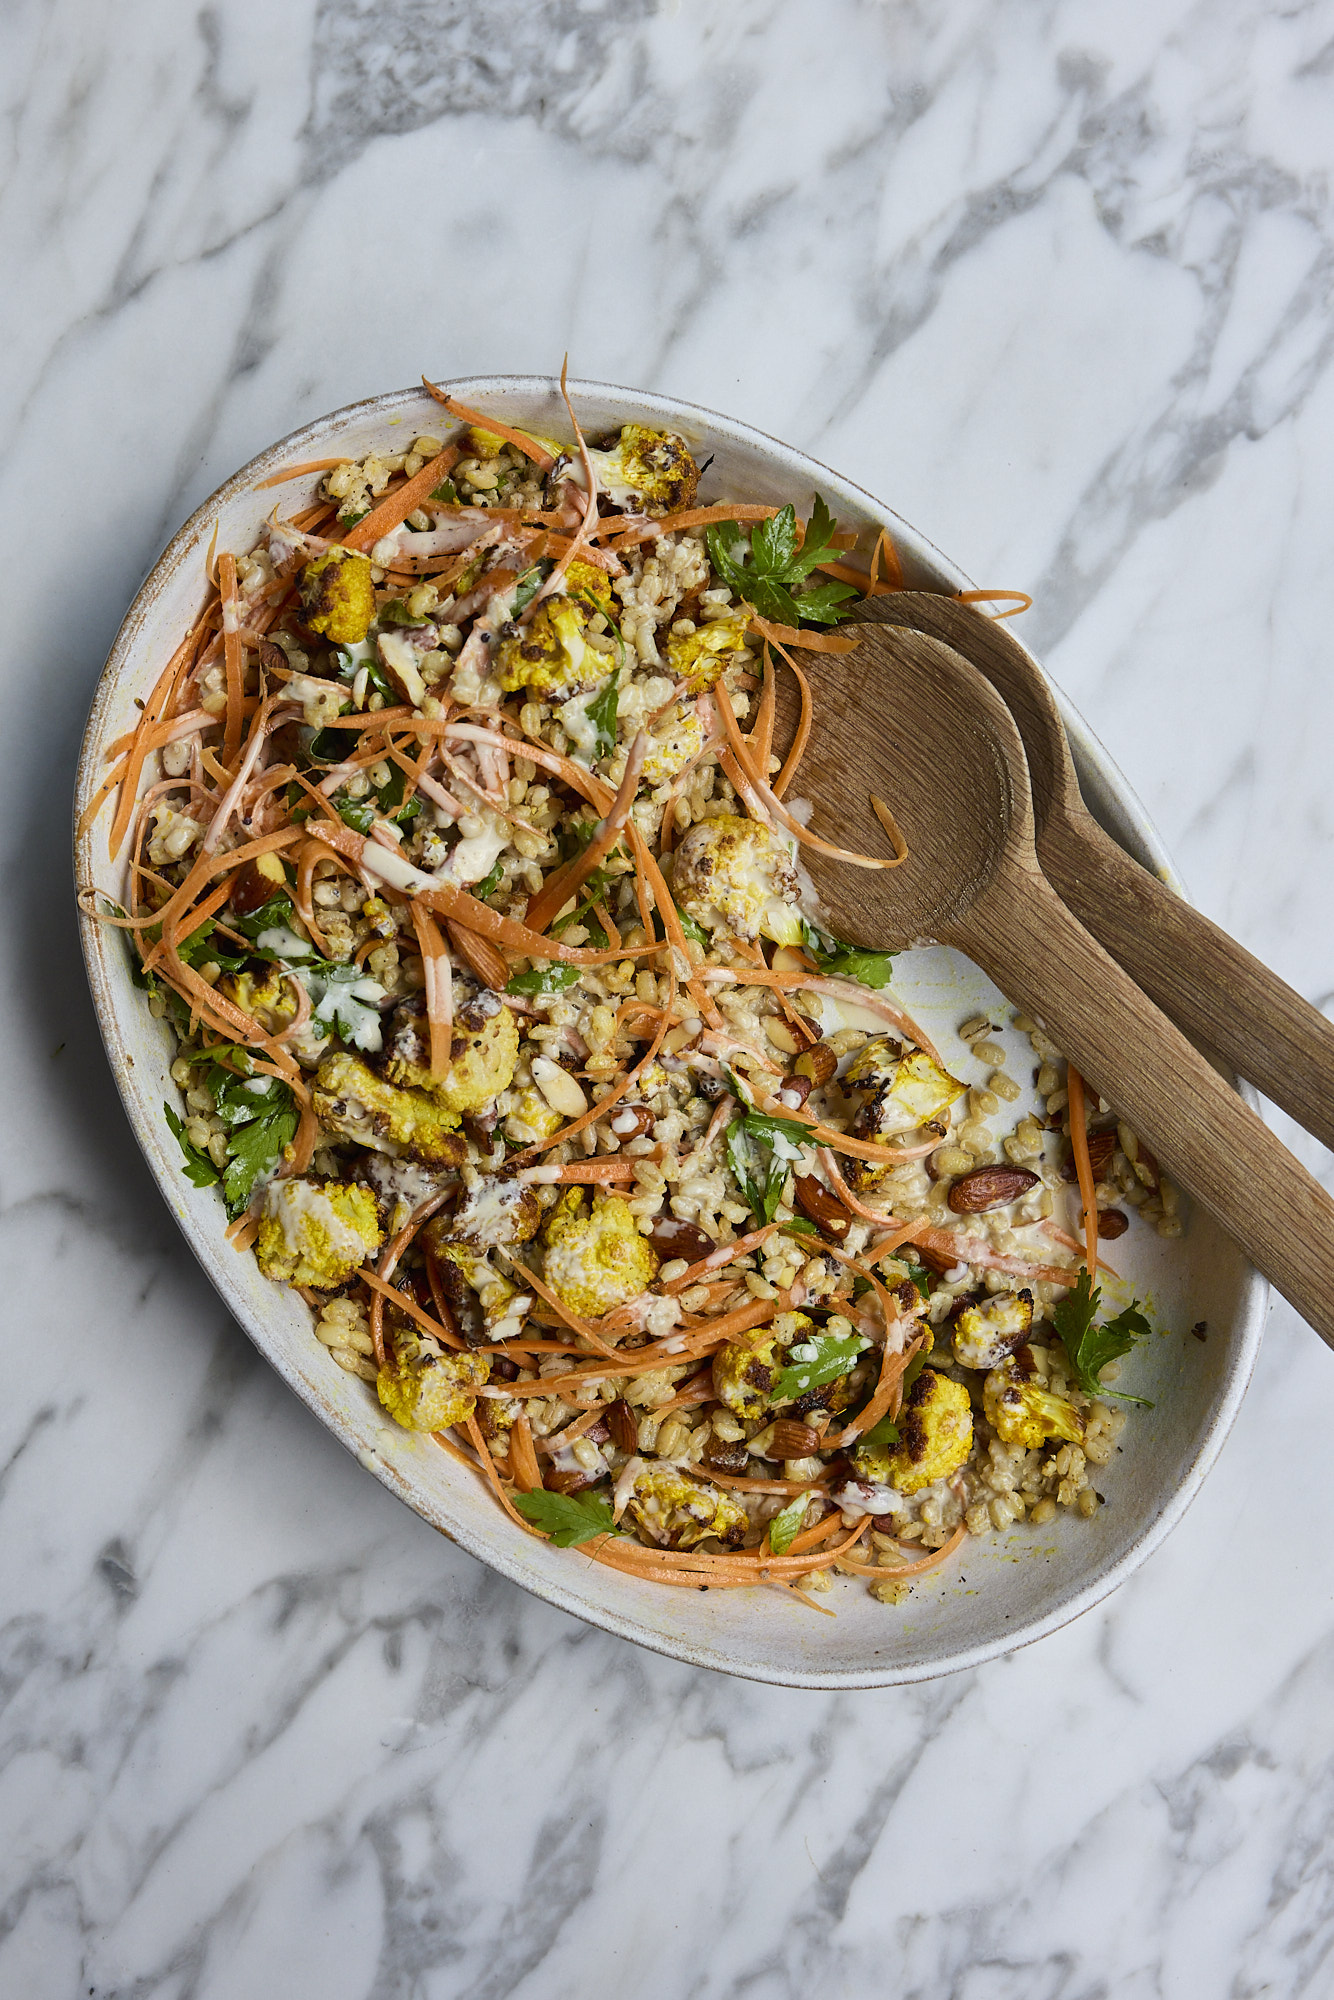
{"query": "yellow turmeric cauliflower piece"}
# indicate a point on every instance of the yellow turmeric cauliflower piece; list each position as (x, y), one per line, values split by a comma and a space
(530, 1117)
(551, 656)
(425, 1389)
(596, 1259)
(1025, 1413)
(350, 1099)
(316, 1233)
(338, 596)
(744, 1372)
(651, 472)
(903, 1092)
(734, 875)
(266, 997)
(986, 1334)
(481, 1067)
(935, 1436)
(699, 657)
(591, 587)
(677, 738)
(677, 1512)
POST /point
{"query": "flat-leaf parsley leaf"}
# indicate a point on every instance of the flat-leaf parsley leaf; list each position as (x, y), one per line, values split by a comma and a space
(770, 578)
(568, 1518)
(849, 961)
(1091, 1347)
(784, 1527)
(813, 1362)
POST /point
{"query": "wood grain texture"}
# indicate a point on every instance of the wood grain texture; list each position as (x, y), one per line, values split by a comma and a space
(934, 738)
(1211, 986)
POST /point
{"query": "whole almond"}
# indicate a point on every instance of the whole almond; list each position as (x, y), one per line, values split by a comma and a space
(630, 1121)
(622, 1426)
(673, 1238)
(720, 1457)
(1112, 1223)
(1102, 1145)
(817, 1062)
(989, 1187)
(573, 1481)
(821, 1207)
(793, 1440)
(794, 1086)
(480, 956)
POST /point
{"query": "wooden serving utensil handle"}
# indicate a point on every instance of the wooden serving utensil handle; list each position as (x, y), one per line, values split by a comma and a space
(1203, 978)
(1021, 932)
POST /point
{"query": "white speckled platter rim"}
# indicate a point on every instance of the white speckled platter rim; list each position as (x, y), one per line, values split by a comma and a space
(1009, 1591)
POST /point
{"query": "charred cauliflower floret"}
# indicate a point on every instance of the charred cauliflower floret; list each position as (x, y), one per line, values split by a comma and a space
(596, 1259)
(677, 1512)
(486, 1304)
(935, 1437)
(266, 997)
(338, 596)
(699, 657)
(590, 587)
(481, 1066)
(903, 1091)
(735, 875)
(551, 656)
(352, 1100)
(425, 1389)
(744, 1372)
(1022, 1411)
(495, 1209)
(986, 1334)
(530, 1117)
(647, 472)
(900, 1093)
(677, 738)
(316, 1233)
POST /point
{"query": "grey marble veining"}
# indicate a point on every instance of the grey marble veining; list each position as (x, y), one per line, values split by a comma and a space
(1056, 280)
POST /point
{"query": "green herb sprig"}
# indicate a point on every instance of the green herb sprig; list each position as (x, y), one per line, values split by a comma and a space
(848, 961)
(771, 576)
(568, 1518)
(1091, 1347)
(261, 1119)
(820, 1358)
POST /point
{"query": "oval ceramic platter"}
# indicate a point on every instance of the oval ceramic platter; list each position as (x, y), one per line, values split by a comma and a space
(998, 1593)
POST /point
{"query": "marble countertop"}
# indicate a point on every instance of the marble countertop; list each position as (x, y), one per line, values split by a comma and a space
(1056, 281)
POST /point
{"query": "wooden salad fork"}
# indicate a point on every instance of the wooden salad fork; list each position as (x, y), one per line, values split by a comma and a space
(906, 718)
(1210, 985)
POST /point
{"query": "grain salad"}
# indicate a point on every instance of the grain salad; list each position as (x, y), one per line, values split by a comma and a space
(464, 864)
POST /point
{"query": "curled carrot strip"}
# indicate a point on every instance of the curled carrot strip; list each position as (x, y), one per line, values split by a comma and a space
(1018, 600)
(281, 477)
(530, 448)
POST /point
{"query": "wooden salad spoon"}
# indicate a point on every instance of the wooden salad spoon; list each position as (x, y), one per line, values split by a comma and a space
(1210, 985)
(904, 717)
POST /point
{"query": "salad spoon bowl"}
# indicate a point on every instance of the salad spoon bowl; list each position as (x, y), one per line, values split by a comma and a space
(1209, 984)
(905, 717)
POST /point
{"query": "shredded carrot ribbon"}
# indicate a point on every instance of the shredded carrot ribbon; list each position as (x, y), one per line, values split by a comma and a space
(530, 447)
(1079, 1141)
(396, 506)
